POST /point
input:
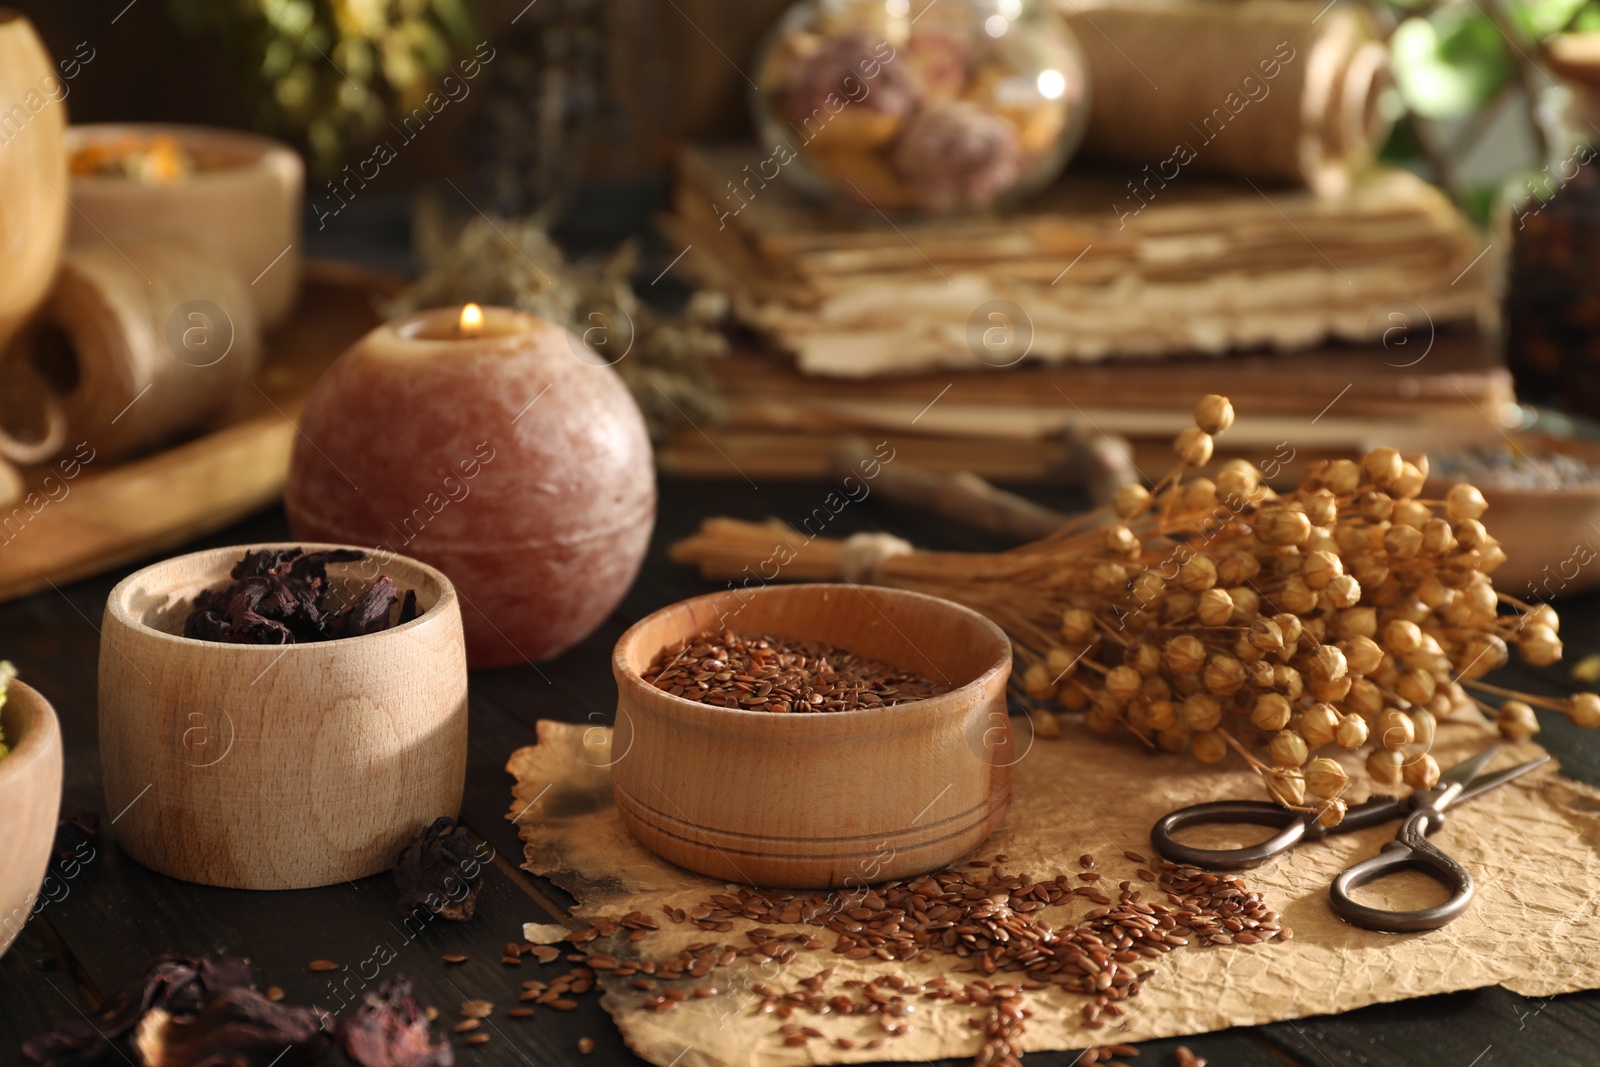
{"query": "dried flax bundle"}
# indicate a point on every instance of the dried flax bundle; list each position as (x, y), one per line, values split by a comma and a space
(1220, 616)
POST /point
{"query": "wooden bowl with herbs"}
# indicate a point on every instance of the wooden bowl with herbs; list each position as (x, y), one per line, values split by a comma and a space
(1543, 496)
(902, 765)
(30, 798)
(281, 765)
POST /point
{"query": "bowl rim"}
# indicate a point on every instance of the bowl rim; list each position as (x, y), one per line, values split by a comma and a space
(35, 742)
(1003, 662)
(1572, 446)
(116, 609)
(267, 155)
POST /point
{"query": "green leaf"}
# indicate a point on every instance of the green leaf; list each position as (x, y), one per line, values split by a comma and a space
(1450, 64)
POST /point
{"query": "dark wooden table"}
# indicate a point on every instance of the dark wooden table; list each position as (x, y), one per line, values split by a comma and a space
(103, 925)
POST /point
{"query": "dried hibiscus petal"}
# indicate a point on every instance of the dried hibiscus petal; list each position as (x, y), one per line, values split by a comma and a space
(277, 598)
(234, 1027)
(439, 870)
(387, 1029)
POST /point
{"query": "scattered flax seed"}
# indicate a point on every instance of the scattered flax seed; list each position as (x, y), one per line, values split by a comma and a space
(585, 1045)
(476, 1039)
(1132, 857)
(1086, 860)
(322, 965)
(454, 958)
(431, 1013)
(520, 1013)
(511, 961)
(467, 1024)
(477, 1009)
(563, 1004)
(1184, 1058)
(762, 672)
(546, 953)
(274, 993)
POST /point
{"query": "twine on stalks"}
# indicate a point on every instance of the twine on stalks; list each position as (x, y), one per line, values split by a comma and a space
(1219, 617)
(1272, 89)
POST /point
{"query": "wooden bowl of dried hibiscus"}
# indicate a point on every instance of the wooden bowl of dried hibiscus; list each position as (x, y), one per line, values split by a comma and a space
(281, 716)
(812, 735)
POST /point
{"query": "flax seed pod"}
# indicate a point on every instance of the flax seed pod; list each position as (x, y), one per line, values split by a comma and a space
(1470, 533)
(1481, 654)
(1352, 732)
(1401, 637)
(1213, 414)
(1124, 683)
(1365, 700)
(1410, 482)
(1343, 592)
(1215, 607)
(1422, 772)
(1584, 710)
(1173, 739)
(1247, 653)
(1271, 712)
(1386, 766)
(1415, 687)
(1437, 537)
(1185, 655)
(1322, 508)
(1060, 664)
(1539, 645)
(1193, 446)
(1492, 556)
(1359, 621)
(1412, 513)
(1246, 605)
(1077, 625)
(1402, 542)
(1178, 605)
(1121, 541)
(1287, 787)
(1516, 721)
(1318, 724)
(1224, 675)
(1369, 569)
(1375, 507)
(1288, 681)
(1199, 494)
(1208, 747)
(1071, 696)
(1383, 466)
(1325, 778)
(1395, 730)
(1426, 726)
(1542, 615)
(1320, 568)
(1283, 526)
(1036, 682)
(1197, 574)
(1463, 501)
(1145, 658)
(1237, 482)
(1108, 578)
(1297, 597)
(1362, 655)
(1162, 714)
(1130, 501)
(1331, 813)
(1288, 749)
(1342, 476)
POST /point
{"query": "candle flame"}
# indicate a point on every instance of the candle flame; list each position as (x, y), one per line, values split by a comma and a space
(471, 319)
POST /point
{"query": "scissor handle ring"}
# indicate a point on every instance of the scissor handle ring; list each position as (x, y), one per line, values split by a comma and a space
(1294, 827)
(1410, 850)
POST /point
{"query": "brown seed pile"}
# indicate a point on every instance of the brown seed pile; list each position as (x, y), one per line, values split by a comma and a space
(767, 673)
(1184, 1058)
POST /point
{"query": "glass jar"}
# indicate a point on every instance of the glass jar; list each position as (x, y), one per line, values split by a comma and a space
(921, 105)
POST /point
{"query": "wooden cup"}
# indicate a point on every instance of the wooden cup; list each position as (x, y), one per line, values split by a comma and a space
(812, 800)
(33, 171)
(278, 766)
(30, 798)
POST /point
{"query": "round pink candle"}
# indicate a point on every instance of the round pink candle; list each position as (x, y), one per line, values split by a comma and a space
(501, 451)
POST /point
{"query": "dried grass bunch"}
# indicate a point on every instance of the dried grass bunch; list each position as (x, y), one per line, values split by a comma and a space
(1219, 616)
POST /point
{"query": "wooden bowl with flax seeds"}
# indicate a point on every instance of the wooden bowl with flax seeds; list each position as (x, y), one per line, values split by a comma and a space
(867, 736)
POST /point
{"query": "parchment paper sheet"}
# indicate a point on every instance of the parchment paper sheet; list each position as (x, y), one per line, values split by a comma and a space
(1532, 845)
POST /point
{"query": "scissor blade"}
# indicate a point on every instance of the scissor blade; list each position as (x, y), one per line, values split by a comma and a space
(1489, 781)
(1464, 772)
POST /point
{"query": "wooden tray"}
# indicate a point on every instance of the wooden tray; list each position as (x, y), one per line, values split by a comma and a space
(111, 515)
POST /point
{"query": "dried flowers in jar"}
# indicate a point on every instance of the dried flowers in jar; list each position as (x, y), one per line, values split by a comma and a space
(917, 105)
(7, 672)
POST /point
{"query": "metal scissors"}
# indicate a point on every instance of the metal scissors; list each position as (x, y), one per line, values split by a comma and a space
(1423, 812)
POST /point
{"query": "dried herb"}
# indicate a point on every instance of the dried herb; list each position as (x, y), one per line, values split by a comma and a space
(179, 986)
(195, 1011)
(388, 1030)
(439, 870)
(280, 596)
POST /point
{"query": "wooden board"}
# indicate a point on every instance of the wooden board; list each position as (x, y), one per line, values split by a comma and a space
(109, 515)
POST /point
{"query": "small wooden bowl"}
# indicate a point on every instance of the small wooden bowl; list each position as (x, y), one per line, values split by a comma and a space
(812, 800)
(278, 766)
(244, 210)
(30, 798)
(1551, 536)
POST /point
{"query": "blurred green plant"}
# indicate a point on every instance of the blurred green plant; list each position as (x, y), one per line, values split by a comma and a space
(1458, 62)
(332, 70)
